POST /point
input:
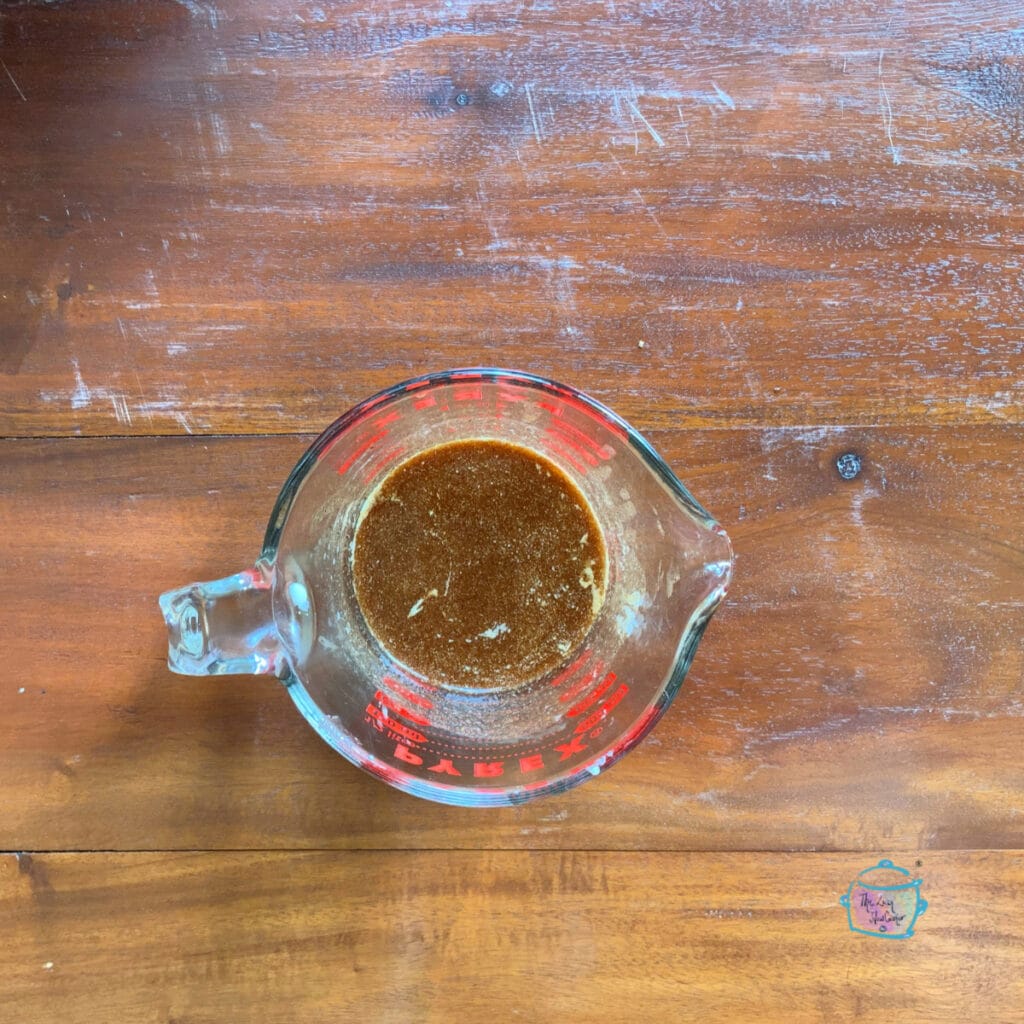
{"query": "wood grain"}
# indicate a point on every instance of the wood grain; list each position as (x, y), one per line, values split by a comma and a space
(861, 688)
(243, 217)
(434, 937)
(766, 233)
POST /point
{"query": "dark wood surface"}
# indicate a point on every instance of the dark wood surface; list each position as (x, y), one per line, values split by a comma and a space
(271, 938)
(808, 214)
(768, 234)
(861, 686)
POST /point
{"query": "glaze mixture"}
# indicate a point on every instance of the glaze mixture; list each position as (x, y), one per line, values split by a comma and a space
(479, 564)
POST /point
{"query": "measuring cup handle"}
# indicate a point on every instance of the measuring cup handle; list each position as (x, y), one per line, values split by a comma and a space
(225, 627)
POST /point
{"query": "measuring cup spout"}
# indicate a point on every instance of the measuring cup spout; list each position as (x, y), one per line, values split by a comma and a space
(719, 559)
(225, 627)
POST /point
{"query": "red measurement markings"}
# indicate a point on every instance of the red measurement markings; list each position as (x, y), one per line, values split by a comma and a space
(389, 702)
(571, 439)
(506, 396)
(378, 430)
(510, 395)
(363, 447)
(457, 766)
(566, 673)
(570, 398)
(375, 467)
(572, 431)
(468, 393)
(604, 710)
(386, 418)
(583, 682)
(391, 726)
(393, 684)
(567, 445)
(593, 697)
(552, 445)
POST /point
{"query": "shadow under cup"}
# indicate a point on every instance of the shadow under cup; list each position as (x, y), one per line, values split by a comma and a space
(669, 563)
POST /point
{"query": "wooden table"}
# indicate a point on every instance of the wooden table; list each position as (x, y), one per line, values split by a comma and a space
(768, 235)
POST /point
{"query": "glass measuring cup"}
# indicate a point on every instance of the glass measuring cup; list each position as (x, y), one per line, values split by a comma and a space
(294, 614)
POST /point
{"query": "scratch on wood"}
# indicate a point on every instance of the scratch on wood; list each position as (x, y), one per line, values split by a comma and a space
(725, 98)
(634, 107)
(13, 82)
(533, 115)
(650, 213)
(616, 160)
(202, 10)
(883, 96)
(682, 121)
(166, 405)
(83, 396)
(221, 140)
(120, 404)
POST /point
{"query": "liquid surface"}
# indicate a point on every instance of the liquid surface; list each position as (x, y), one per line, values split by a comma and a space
(479, 564)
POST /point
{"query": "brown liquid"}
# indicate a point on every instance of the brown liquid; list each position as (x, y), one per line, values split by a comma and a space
(479, 564)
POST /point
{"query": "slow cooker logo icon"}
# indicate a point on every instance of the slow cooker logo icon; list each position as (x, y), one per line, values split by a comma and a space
(884, 901)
